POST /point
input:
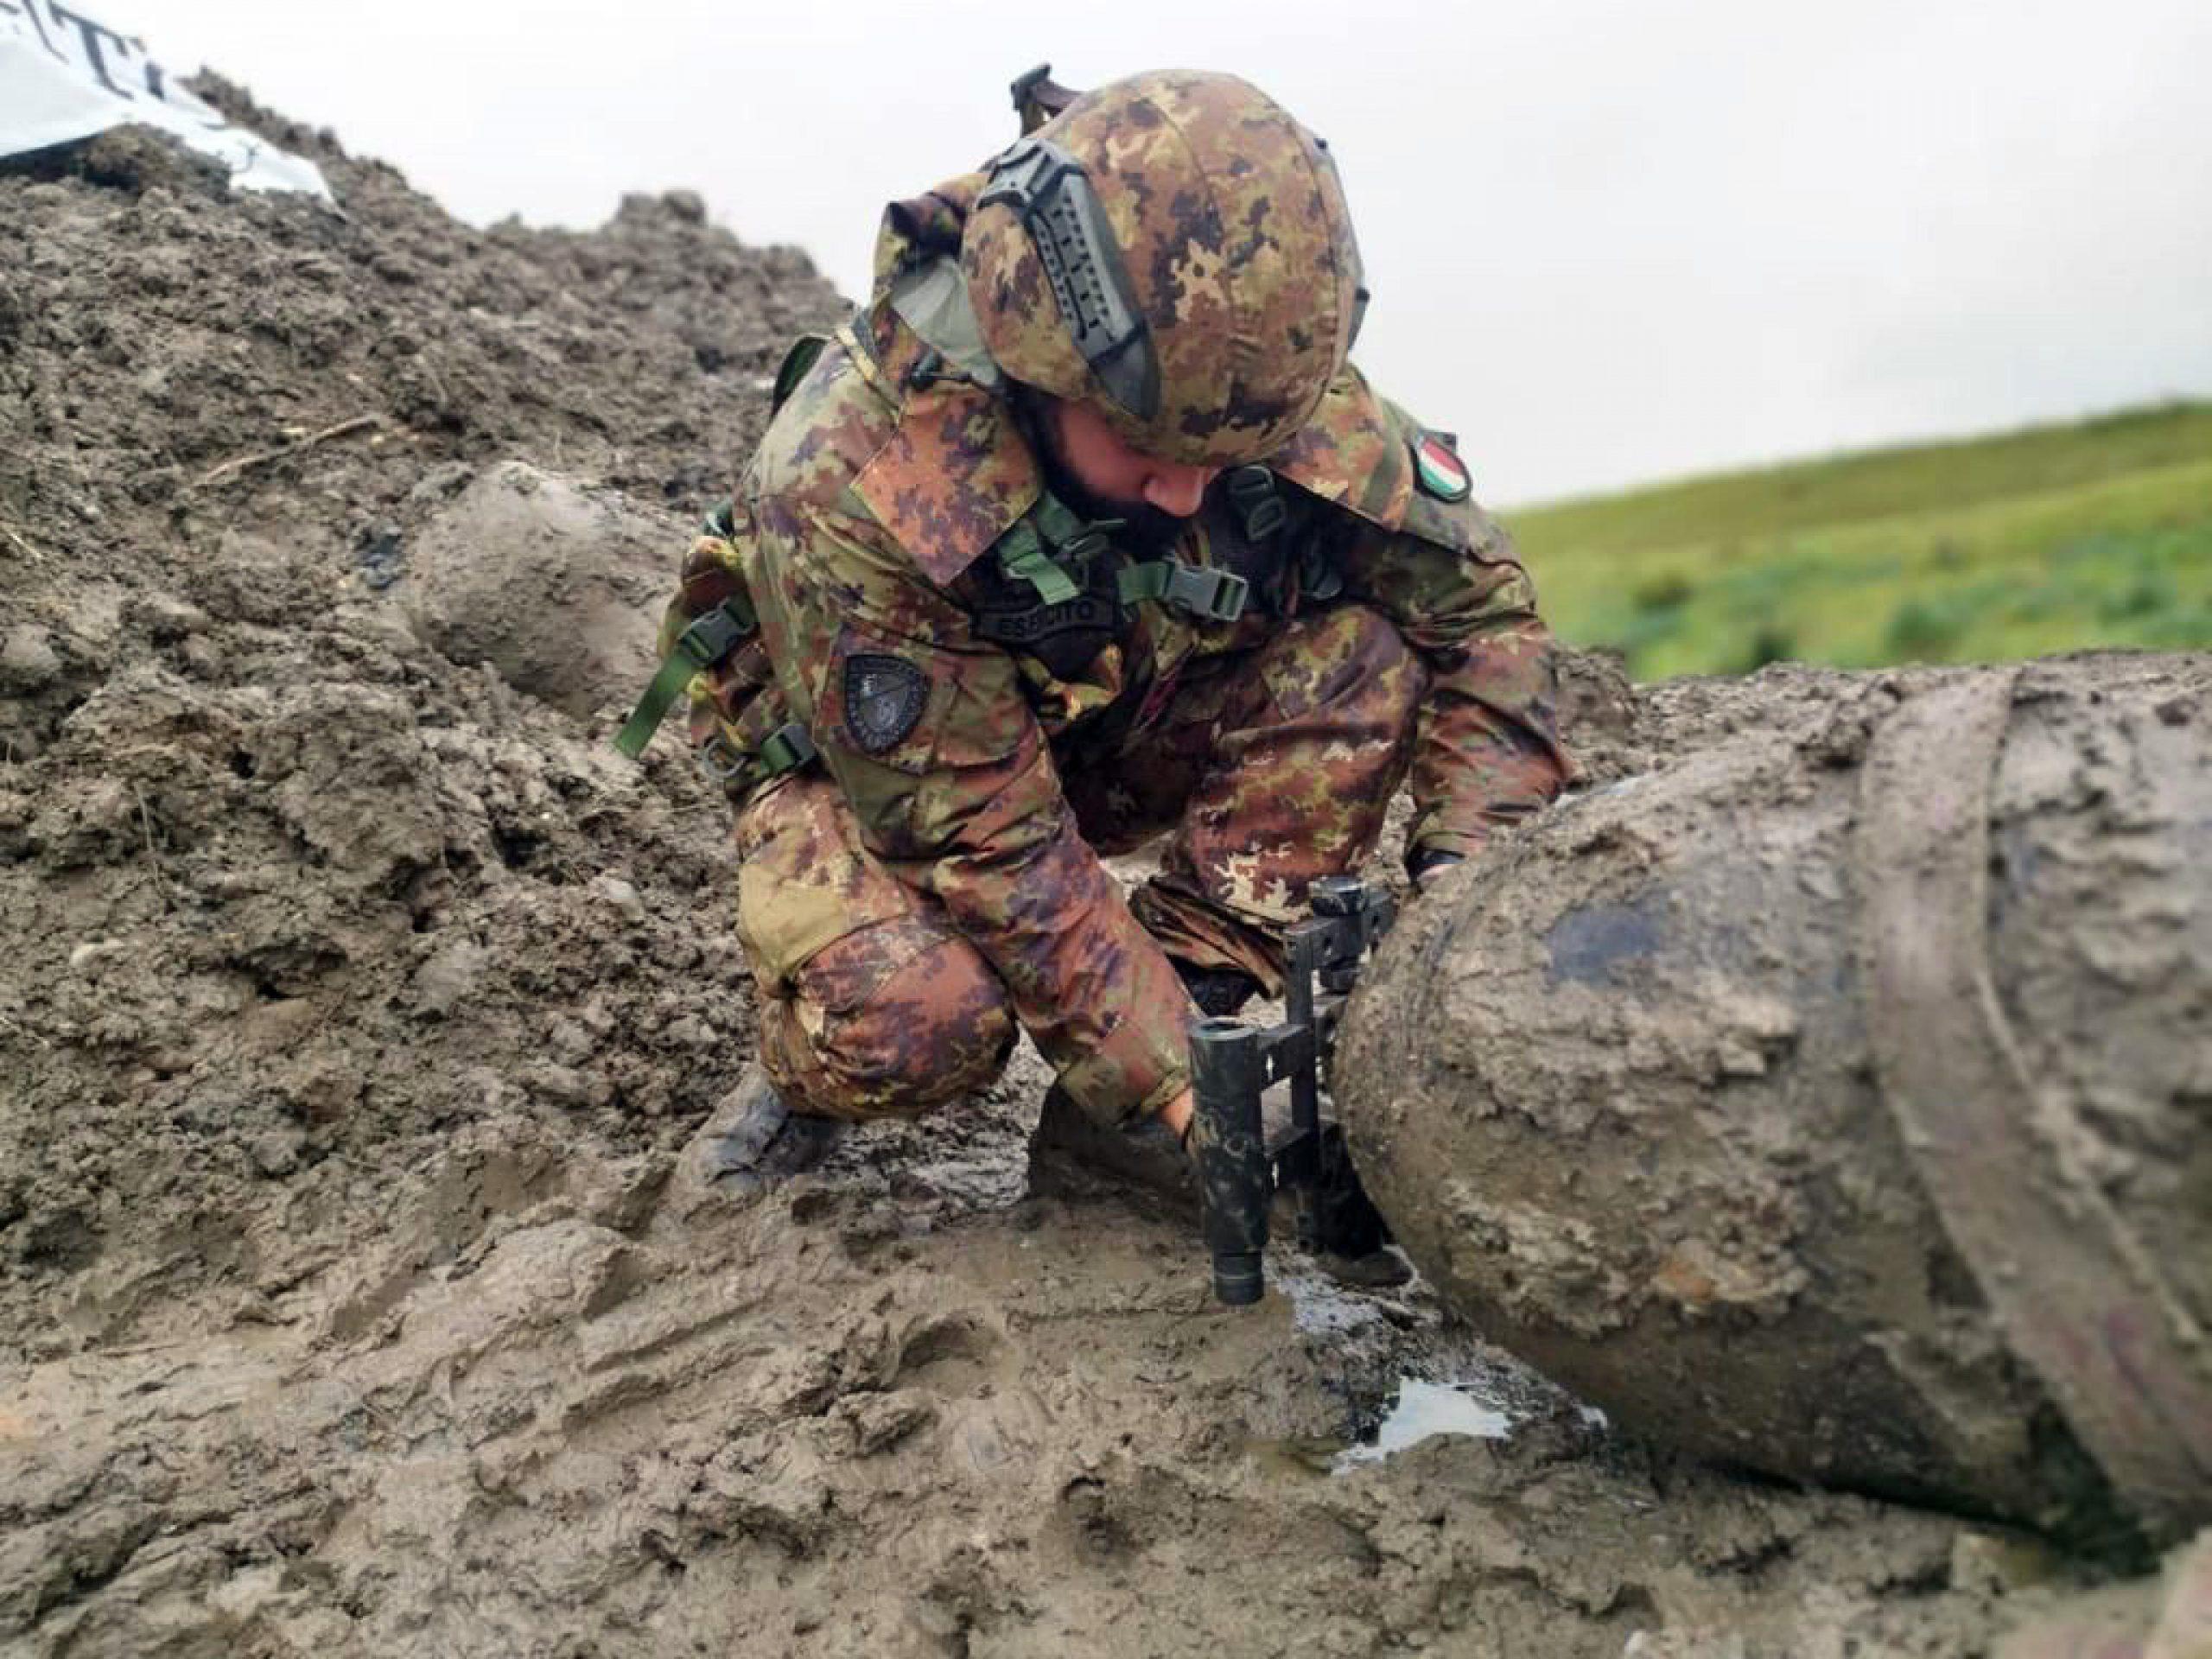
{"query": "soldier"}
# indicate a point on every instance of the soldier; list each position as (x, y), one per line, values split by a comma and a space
(1083, 531)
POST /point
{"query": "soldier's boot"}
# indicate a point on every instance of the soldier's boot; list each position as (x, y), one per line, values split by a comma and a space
(1073, 1155)
(754, 1143)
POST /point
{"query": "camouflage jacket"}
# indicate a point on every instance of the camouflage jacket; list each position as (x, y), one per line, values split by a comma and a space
(861, 529)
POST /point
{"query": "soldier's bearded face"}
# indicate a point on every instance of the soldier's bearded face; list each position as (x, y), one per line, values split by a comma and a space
(1100, 476)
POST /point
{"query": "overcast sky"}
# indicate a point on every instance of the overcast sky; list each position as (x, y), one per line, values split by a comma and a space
(1608, 242)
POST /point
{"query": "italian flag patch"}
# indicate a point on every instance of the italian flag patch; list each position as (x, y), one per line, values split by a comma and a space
(1442, 473)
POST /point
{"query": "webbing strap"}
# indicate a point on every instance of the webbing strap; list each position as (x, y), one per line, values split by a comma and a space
(798, 362)
(652, 708)
(1026, 552)
(1022, 556)
(700, 646)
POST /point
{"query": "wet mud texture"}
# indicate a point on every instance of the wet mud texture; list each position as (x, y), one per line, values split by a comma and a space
(356, 1001)
(1639, 1094)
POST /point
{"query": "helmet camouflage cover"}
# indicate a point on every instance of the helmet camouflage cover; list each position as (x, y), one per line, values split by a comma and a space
(1174, 252)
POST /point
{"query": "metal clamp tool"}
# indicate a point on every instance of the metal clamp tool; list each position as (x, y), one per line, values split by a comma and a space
(1240, 1167)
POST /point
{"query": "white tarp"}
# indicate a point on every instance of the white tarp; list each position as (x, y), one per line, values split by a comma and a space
(66, 75)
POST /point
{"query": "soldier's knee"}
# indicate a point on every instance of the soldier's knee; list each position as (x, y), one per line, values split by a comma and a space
(937, 1027)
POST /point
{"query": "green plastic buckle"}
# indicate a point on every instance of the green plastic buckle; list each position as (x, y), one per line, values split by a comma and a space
(1252, 491)
(1210, 595)
(789, 747)
(714, 636)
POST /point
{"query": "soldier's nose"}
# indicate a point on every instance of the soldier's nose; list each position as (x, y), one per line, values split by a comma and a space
(1178, 490)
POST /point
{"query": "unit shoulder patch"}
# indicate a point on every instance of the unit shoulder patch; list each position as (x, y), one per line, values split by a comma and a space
(884, 700)
(1437, 467)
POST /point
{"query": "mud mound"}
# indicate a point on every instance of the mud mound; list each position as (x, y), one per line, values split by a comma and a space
(355, 1001)
(288, 896)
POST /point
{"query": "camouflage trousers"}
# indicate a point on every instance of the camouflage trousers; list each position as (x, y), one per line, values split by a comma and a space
(1266, 769)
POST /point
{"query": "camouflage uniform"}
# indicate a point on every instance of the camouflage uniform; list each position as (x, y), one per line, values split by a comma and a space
(934, 882)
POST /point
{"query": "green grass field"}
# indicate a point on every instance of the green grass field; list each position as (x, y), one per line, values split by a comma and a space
(2098, 533)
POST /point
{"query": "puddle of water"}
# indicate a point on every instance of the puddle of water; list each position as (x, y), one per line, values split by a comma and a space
(1382, 1338)
(1423, 1411)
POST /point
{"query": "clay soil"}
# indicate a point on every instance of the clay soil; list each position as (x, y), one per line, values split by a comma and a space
(355, 1005)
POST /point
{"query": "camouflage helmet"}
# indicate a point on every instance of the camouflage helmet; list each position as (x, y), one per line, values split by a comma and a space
(1174, 252)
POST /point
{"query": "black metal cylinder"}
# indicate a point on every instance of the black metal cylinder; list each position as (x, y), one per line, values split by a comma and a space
(1337, 895)
(1227, 1075)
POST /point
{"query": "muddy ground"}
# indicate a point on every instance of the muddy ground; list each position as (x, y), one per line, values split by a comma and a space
(354, 1004)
